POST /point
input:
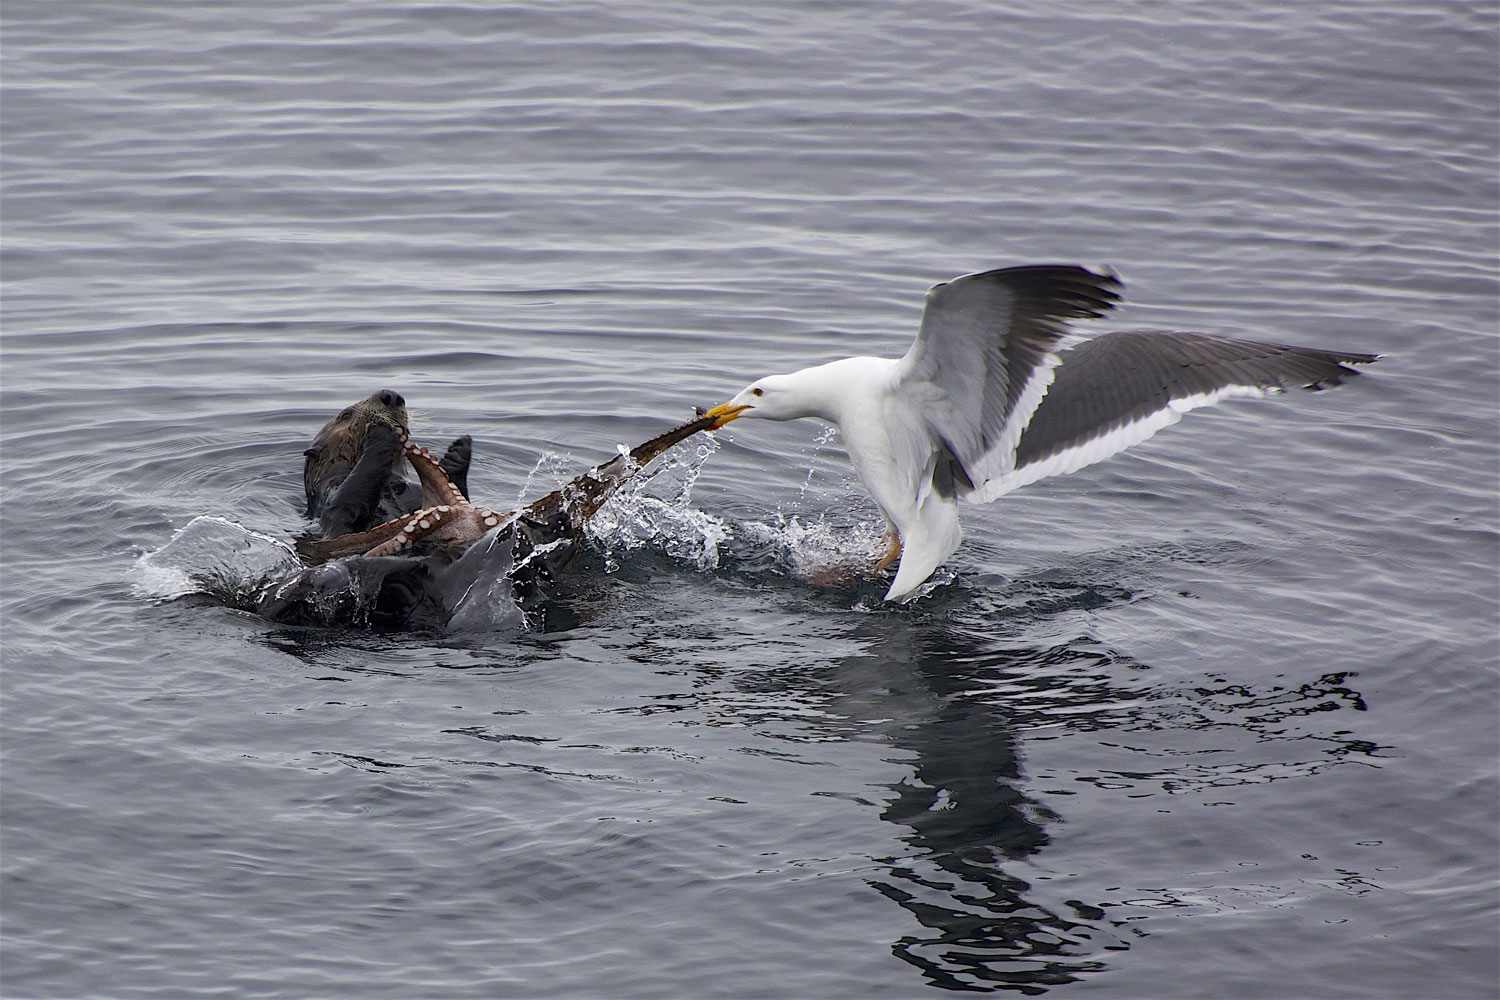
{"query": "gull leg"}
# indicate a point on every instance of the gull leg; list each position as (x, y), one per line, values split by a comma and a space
(892, 549)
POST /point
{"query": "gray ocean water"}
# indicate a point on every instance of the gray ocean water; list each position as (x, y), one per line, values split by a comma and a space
(1216, 718)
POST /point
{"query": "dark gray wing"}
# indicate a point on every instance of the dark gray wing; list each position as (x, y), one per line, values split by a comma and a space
(1119, 389)
(984, 356)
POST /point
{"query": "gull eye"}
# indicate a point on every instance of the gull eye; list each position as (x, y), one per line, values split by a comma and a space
(757, 391)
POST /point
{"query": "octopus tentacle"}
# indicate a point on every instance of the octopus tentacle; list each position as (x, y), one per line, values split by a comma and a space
(423, 523)
(437, 488)
(355, 542)
(447, 516)
(441, 523)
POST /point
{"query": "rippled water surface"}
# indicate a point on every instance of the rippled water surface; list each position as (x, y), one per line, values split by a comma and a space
(1215, 718)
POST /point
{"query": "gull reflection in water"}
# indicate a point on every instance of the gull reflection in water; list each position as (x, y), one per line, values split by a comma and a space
(968, 820)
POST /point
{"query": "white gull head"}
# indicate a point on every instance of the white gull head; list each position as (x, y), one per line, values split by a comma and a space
(833, 392)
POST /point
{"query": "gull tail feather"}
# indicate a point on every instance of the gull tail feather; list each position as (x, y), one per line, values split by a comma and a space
(926, 543)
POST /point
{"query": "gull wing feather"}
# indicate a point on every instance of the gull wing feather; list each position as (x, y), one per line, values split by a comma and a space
(1117, 390)
(984, 357)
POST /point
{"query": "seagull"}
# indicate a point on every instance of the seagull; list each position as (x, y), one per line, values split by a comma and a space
(997, 393)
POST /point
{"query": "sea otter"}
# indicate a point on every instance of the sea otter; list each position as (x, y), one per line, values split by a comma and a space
(352, 472)
(412, 570)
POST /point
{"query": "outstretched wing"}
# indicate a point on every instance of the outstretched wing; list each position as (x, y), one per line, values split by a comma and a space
(984, 358)
(1009, 396)
(1119, 389)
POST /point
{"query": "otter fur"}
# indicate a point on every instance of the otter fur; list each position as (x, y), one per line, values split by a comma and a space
(352, 474)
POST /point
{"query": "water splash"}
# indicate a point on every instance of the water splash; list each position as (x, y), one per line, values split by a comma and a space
(818, 551)
(487, 602)
(825, 437)
(552, 468)
(828, 549)
(641, 517)
(213, 555)
(653, 512)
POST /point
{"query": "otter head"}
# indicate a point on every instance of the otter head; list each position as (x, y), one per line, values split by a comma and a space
(338, 445)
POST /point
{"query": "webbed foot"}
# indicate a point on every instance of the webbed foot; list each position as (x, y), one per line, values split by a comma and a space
(892, 550)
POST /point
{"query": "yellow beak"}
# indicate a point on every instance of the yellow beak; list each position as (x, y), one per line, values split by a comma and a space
(723, 413)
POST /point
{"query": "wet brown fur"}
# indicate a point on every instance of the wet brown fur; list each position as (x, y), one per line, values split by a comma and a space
(339, 444)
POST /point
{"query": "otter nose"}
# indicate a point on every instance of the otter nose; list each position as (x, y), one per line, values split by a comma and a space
(391, 398)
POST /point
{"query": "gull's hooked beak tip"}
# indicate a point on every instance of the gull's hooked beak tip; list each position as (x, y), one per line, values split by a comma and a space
(723, 413)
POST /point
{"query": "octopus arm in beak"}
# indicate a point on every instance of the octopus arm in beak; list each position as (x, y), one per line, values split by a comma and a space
(723, 413)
